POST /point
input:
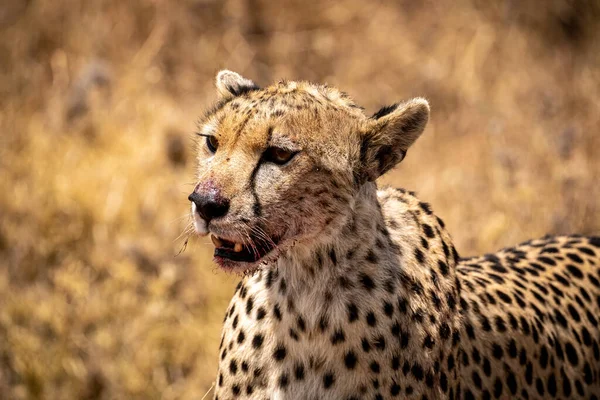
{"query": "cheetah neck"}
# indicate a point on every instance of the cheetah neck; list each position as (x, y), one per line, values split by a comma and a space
(379, 248)
(338, 250)
(377, 297)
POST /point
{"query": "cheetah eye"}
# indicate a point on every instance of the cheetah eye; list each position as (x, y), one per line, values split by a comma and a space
(278, 155)
(212, 143)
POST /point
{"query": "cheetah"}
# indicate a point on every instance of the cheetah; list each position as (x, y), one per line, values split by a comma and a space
(353, 292)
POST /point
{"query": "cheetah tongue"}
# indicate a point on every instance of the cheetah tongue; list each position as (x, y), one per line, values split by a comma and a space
(220, 242)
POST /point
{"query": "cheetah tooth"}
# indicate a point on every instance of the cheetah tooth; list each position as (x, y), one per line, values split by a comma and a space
(238, 247)
(216, 241)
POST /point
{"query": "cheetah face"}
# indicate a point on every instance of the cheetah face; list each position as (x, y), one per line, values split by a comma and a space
(283, 165)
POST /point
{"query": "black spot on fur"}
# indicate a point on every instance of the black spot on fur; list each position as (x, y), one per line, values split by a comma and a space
(283, 381)
(257, 341)
(279, 353)
(594, 241)
(328, 380)
(323, 323)
(352, 312)
(426, 207)
(367, 282)
(333, 256)
(372, 257)
(379, 342)
(375, 367)
(388, 309)
(443, 268)
(371, 319)
(338, 337)
(366, 346)
(277, 312)
(571, 354)
(428, 231)
(417, 371)
(576, 272)
(350, 360)
(419, 256)
(299, 372)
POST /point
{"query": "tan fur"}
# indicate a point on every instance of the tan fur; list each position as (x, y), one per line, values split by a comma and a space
(365, 296)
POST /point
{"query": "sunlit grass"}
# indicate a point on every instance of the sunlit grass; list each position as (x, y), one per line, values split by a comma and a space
(98, 106)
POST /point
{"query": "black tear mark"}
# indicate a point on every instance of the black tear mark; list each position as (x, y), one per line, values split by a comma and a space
(257, 206)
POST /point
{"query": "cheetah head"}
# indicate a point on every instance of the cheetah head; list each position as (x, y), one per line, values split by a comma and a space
(283, 165)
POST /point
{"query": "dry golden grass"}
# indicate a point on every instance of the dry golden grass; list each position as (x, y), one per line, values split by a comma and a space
(97, 105)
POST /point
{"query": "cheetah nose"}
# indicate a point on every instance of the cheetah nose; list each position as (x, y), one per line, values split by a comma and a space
(209, 206)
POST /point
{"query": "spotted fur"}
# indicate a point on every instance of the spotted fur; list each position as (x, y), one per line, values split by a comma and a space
(365, 296)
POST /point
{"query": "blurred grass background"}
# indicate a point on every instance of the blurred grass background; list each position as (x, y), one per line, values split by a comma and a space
(98, 101)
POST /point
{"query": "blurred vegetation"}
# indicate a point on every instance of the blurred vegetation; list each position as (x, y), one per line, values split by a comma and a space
(98, 101)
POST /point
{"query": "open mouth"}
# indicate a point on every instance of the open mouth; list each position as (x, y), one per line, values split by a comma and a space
(241, 252)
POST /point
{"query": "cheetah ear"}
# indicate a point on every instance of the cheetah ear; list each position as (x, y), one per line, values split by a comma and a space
(230, 84)
(388, 134)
